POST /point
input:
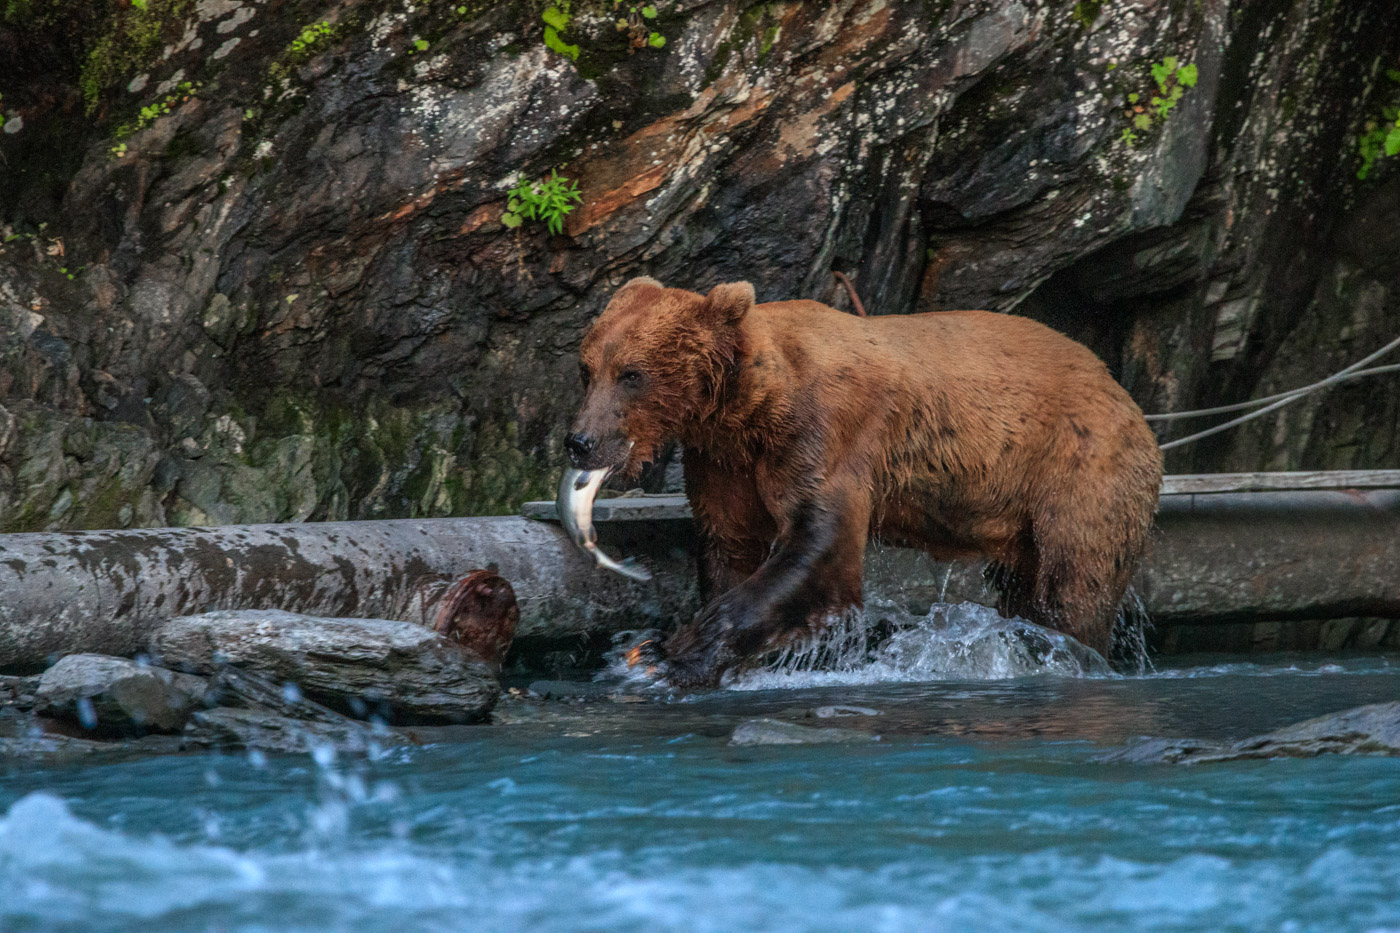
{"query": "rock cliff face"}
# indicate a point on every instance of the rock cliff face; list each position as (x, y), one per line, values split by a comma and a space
(283, 289)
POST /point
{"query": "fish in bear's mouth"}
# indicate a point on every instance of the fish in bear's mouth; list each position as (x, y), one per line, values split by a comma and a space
(574, 504)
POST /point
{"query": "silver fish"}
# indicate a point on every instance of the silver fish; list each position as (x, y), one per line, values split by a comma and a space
(575, 507)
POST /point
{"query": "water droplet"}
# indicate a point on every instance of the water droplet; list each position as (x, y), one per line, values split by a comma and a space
(324, 755)
(87, 715)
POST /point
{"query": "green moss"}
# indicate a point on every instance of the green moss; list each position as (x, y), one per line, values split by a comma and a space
(1380, 136)
(750, 27)
(1087, 12)
(770, 36)
(131, 42)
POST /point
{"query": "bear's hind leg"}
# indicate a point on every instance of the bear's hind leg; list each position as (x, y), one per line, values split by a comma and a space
(1084, 560)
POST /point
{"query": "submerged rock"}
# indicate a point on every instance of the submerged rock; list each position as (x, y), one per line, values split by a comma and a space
(572, 689)
(841, 712)
(109, 694)
(360, 666)
(777, 732)
(1365, 730)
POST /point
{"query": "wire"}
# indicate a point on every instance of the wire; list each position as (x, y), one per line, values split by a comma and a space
(1274, 402)
(1255, 403)
(1350, 371)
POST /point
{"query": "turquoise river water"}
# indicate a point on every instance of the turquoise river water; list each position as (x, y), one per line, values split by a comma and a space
(981, 808)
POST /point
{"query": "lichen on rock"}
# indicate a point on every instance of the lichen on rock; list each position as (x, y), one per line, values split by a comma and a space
(291, 296)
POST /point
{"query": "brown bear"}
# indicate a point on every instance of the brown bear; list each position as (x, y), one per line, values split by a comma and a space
(967, 434)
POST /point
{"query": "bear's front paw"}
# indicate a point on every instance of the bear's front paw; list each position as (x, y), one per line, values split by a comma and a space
(699, 653)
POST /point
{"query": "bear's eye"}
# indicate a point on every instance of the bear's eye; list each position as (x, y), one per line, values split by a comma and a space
(629, 379)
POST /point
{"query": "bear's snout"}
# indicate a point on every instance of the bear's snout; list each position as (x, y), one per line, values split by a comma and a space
(580, 447)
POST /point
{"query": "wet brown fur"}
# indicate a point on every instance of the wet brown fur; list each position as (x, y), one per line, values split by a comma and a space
(967, 434)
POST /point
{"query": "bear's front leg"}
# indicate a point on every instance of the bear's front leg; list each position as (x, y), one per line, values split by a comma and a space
(813, 572)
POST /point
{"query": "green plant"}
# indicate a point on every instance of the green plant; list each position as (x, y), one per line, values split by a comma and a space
(1172, 79)
(310, 37)
(1380, 138)
(637, 24)
(556, 20)
(150, 113)
(549, 199)
(1086, 11)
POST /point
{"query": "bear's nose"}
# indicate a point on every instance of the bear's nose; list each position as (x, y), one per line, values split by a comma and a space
(579, 447)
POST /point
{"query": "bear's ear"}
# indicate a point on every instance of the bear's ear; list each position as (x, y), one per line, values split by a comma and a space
(641, 281)
(727, 303)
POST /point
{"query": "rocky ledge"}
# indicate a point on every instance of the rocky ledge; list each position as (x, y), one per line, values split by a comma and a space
(1365, 730)
(273, 680)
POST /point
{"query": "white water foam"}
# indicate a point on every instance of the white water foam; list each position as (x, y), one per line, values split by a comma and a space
(951, 643)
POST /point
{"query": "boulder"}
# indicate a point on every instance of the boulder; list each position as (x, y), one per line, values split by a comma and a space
(107, 694)
(1365, 730)
(777, 732)
(357, 666)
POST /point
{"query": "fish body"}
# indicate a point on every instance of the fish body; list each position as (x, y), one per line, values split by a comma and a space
(574, 504)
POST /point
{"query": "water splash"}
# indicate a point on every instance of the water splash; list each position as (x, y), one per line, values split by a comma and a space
(884, 644)
(1130, 636)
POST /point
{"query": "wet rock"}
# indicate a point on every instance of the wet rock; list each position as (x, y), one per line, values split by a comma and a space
(107, 694)
(51, 749)
(359, 666)
(330, 260)
(777, 732)
(1365, 730)
(840, 712)
(18, 692)
(267, 731)
(1157, 751)
(571, 689)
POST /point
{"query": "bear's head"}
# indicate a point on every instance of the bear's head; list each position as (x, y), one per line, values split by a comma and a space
(653, 364)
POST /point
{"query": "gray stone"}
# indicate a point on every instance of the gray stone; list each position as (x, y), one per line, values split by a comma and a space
(1365, 730)
(107, 694)
(267, 731)
(840, 712)
(1156, 751)
(989, 137)
(355, 665)
(56, 749)
(18, 692)
(777, 732)
(571, 689)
